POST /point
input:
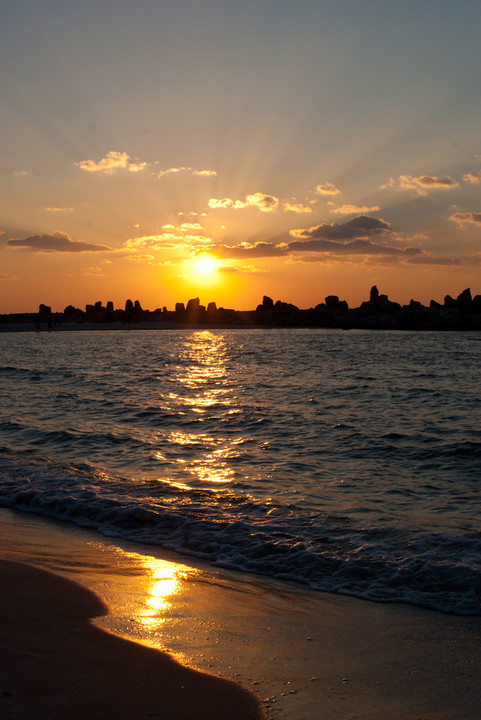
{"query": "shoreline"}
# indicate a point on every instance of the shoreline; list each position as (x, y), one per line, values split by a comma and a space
(199, 327)
(305, 654)
(56, 664)
(119, 326)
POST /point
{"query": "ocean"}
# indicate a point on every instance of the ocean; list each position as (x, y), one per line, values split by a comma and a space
(346, 461)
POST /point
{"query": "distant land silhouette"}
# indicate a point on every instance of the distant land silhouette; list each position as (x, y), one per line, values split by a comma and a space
(377, 313)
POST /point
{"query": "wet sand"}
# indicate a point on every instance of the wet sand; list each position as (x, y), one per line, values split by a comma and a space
(308, 656)
(55, 664)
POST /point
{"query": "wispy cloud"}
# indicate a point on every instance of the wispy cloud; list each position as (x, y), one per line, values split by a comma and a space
(296, 207)
(327, 189)
(57, 242)
(354, 209)
(114, 160)
(472, 178)
(191, 171)
(430, 260)
(58, 209)
(187, 235)
(461, 218)
(261, 201)
(421, 184)
(94, 272)
(249, 250)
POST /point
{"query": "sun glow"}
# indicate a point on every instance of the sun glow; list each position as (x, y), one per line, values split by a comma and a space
(205, 264)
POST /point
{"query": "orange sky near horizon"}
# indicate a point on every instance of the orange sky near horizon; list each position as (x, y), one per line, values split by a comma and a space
(309, 151)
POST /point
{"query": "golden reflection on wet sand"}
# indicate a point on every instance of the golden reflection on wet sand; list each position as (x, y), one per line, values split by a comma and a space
(162, 581)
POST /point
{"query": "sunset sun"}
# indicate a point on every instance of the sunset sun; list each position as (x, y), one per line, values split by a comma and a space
(205, 264)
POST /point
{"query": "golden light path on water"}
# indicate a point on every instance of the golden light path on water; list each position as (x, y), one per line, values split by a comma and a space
(204, 385)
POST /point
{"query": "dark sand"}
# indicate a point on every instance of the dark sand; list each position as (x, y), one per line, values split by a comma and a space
(55, 664)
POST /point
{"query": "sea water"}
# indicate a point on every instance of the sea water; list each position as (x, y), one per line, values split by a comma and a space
(347, 461)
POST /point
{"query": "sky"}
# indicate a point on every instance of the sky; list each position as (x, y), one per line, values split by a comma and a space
(227, 150)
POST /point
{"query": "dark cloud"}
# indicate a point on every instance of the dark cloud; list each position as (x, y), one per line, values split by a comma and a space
(428, 181)
(353, 247)
(315, 246)
(57, 242)
(362, 226)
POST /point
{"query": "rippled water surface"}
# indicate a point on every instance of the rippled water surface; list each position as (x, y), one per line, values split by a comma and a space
(349, 461)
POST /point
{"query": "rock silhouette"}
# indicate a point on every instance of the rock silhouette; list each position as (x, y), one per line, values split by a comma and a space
(379, 313)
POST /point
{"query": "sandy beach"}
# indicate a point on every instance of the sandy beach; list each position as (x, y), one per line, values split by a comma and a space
(56, 664)
(306, 655)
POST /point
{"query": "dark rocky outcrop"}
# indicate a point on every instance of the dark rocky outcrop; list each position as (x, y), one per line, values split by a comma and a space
(379, 312)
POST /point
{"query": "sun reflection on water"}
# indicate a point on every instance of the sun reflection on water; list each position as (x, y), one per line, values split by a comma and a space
(203, 386)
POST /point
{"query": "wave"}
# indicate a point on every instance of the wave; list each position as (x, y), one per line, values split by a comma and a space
(329, 553)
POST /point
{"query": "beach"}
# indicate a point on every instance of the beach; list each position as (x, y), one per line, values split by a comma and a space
(305, 655)
(56, 664)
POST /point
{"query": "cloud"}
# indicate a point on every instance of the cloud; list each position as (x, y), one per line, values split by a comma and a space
(175, 170)
(327, 189)
(216, 203)
(58, 209)
(265, 203)
(112, 161)
(240, 270)
(185, 235)
(115, 160)
(427, 182)
(421, 184)
(261, 201)
(315, 247)
(8, 277)
(353, 209)
(94, 272)
(162, 241)
(248, 250)
(430, 260)
(57, 242)
(296, 207)
(149, 259)
(352, 247)
(190, 226)
(472, 178)
(473, 218)
(362, 226)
